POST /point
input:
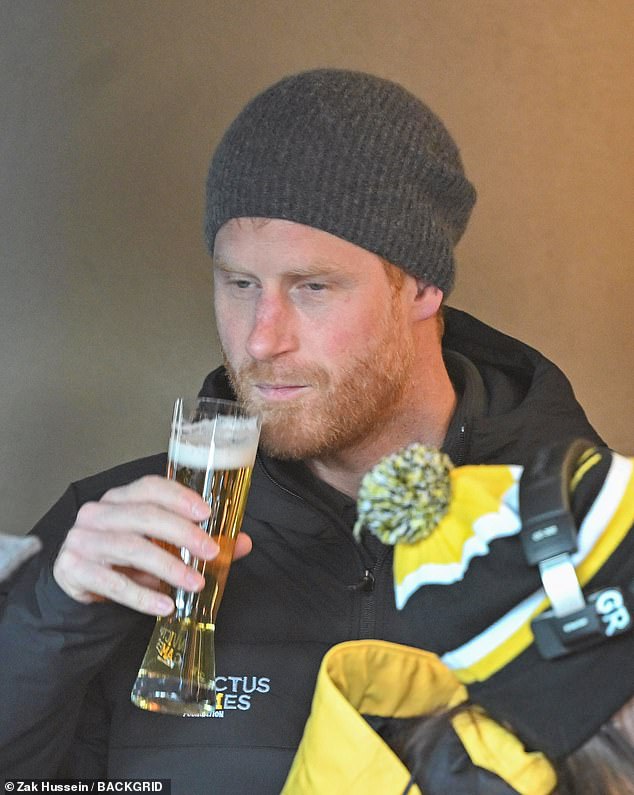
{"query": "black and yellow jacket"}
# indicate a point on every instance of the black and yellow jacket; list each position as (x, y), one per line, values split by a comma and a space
(555, 693)
(308, 585)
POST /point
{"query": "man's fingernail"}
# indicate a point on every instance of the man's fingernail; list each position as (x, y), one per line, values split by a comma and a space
(209, 548)
(200, 510)
(164, 605)
(193, 579)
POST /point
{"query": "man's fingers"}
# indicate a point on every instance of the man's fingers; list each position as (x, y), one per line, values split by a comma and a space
(131, 550)
(144, 579)
(243, 546)
(142, 520)
(116, 586)
(123, 546)
(158, 490)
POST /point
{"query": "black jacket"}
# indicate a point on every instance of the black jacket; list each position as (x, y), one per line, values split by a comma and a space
(68, 668)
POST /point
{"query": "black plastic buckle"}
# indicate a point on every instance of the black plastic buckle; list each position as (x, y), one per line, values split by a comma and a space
(545, 535)
(605, 615)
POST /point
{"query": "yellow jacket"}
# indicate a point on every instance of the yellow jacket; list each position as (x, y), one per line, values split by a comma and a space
(341, 753)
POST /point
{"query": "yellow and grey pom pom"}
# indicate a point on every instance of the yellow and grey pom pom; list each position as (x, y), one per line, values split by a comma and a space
(404, 497)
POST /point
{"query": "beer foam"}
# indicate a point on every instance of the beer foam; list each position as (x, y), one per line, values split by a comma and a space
(222, 443)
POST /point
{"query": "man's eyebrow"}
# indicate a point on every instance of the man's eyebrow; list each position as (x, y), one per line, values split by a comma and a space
(317, 268)
(220, 265)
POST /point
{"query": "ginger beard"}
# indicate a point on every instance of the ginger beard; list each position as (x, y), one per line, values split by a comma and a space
(343, 406)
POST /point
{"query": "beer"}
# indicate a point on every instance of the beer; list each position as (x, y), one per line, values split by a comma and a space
(221, 474)
(215, 458)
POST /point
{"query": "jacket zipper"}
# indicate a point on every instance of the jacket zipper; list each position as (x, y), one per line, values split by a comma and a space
(462, 446)
(370, 594)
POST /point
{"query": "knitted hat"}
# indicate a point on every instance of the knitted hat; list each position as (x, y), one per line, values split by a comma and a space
(353, 155)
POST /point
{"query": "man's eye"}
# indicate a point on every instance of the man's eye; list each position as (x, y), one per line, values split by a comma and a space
(315, 287)
(241, 284)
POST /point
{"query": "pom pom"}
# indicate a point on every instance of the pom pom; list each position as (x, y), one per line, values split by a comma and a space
(404, 497)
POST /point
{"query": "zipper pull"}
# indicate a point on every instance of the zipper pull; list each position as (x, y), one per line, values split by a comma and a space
(366, 584)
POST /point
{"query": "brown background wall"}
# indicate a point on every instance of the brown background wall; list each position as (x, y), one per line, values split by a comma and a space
(110, 111)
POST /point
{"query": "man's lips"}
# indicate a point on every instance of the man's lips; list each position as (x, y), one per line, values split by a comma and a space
(280, 391)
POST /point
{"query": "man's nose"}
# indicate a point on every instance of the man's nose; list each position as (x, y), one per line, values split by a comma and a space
(273, 332)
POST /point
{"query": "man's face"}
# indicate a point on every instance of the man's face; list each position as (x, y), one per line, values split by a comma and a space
(314, 334)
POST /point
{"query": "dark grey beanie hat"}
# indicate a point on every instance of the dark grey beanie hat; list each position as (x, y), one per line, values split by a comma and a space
(351, 154)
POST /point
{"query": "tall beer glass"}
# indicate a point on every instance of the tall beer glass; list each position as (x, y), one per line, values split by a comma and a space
(212, 449)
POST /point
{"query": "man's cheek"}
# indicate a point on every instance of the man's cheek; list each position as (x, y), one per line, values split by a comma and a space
(233, 349)
(343, 337)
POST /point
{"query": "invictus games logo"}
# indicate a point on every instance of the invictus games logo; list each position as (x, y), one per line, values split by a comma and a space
(238, 692)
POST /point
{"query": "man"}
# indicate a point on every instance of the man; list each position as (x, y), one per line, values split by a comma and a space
(335, 200)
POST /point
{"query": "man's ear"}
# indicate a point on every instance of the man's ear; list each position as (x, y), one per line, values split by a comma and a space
(427, 300)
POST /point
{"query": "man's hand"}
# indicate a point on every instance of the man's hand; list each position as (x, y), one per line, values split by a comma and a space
(110, 553)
